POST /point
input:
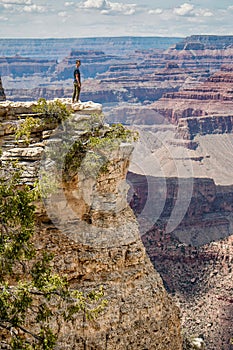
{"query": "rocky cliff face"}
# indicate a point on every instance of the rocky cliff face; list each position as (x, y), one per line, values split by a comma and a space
(200, 279)
(94, 235)
(181, 193)
(188, 128)
(195, 258)
(207, 51)
(18, 66)
(52, 48)
(207, 217)
(212, 97)
(2, 93)
(211, 42)
(124, 69)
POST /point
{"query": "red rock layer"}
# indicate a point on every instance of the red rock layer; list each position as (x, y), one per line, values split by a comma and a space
(214, 96)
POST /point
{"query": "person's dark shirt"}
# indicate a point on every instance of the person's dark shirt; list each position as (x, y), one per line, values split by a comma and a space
(76, 72)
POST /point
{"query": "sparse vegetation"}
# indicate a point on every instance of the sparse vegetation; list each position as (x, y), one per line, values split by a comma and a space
(50, 112)
(25, 129)
(92, 149)
(55, 110)
(33, 296)
(86, 145)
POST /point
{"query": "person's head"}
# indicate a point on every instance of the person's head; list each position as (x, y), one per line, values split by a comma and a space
(78, 63)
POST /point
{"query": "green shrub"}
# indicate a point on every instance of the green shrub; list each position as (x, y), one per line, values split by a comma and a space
(32, 296)
(55, 110)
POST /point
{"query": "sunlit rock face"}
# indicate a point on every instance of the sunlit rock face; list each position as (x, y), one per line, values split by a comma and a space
(211, 97)
(86, 222)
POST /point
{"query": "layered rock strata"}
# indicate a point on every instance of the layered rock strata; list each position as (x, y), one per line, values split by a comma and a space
(58, 47)
(206, 51)
(211, 42)
(188, 128)
(214, 96)
(94, 235)
(143, 76)
(128, 65)
(18, 66)
(195, 258)
(200, 279)
(208, 211)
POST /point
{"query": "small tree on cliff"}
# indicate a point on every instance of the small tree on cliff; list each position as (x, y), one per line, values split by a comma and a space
(32, 297)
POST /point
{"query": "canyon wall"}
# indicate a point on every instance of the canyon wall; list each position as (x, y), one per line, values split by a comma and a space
(211, 42)
(188, 128)
(213, 96)
(57, 48)
(133, 76)
(94, 235)
(124, 70)
(186, 217)
(207, 216)
(104, 78)
(2, 93)
(195, 258)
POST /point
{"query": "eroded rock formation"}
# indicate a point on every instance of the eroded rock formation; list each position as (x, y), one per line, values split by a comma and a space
(2, 93)
(207, 51)
(188, 128)
(200, 279)
(181, 193)
(207, 212)
(212, 96)
(211, 42)
(195, 259)
(142, 76)
(123, 70)
(94, 235)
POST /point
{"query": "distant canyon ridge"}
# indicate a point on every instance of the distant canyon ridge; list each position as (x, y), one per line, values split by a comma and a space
(114, 70)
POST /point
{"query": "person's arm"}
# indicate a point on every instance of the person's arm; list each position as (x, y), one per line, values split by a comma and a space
(78, 80)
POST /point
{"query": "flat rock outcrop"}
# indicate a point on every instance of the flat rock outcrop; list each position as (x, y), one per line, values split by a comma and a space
(88, 225)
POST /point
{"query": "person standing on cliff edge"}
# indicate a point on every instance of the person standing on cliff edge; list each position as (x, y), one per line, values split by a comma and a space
(77, 83)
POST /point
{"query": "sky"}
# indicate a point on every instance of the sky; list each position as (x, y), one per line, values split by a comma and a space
(92, 18)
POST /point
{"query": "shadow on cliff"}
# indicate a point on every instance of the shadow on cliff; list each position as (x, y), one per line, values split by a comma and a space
(187, 257)
(195, 258)
(193, 211)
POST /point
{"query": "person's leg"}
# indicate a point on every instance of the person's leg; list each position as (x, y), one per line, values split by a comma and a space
(78, 89)
(74, 93)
